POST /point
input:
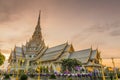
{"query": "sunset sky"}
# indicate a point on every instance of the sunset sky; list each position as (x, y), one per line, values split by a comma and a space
(84, 23)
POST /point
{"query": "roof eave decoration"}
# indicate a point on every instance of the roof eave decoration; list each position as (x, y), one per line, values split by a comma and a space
(72, 48)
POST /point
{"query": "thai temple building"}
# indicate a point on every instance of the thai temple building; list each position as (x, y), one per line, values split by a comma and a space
(35, 53)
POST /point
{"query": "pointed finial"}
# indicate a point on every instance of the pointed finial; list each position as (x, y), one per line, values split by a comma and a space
(39, 18)
(22, 44)
(91, 46)
(97, 47)
(67, 41)
(71, 42)
(15, 45)
(11, 49)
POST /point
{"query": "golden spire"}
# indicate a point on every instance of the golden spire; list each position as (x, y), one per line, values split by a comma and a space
(38, 23)
(37, 33)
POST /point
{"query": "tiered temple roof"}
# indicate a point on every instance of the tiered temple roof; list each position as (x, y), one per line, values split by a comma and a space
(37, 46)
(54, 52)
(82, 55)
(93, 54)
(85, 56)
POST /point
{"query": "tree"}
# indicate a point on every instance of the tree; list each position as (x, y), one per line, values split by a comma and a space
(70, 64)
(23, 77)
(2, 58)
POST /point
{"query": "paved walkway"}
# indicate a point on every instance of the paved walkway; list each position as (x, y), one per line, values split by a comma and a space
(13, 78)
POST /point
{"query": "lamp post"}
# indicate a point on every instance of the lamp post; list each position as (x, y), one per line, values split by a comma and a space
(17, 71)
(22, 62)
(19, 60)
(114, 69)
(27, 65)
(103, 76)
(38, 62)
(14, 70)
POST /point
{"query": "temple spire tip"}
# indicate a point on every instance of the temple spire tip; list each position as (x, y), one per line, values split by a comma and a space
(39, 17)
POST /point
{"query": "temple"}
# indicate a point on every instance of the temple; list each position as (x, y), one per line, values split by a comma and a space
(35, 51)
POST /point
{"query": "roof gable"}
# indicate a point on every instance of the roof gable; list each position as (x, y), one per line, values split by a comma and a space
(82, 55)
(93, 54)
(54, 52)
(18, 52)
(56, 48)
(69, 48)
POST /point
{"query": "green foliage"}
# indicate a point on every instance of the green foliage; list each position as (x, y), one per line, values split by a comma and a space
(69, 79)
(47, 70)
(111, 73)
(53, 76)
(41, 69)
(70, 64)
(44, 69)
(23, 77)
(7, 76)
(11, 74)
(31, 70)
(2, 58)
(51, 69)
(21, 72)
(118, 75)
(32, 75)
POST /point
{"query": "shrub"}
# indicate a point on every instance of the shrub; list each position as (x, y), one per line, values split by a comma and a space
(7, 76)
(23, 77)
(53, 76)
(70, 64)
(11, 74)
(69, 79)
(32, 75)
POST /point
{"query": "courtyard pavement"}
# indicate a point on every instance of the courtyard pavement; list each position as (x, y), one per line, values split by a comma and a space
(13, 78)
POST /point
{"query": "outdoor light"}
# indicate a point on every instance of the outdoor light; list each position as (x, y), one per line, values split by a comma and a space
(18, 69)
(38, 62)
(102, 69)
(114, 69)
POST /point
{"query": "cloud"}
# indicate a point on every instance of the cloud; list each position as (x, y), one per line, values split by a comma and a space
(111, 29)
(7, 10)
(115, 32)
(10, 9)
(98, 35)
(5, 51)
(98, 28)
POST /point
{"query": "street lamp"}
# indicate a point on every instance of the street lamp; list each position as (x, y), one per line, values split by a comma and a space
(102, 69)
(19, 61)
(14, 69)
(22, 62)
(18, 70)
(114, 69)
(38, 62)
(27, 65)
